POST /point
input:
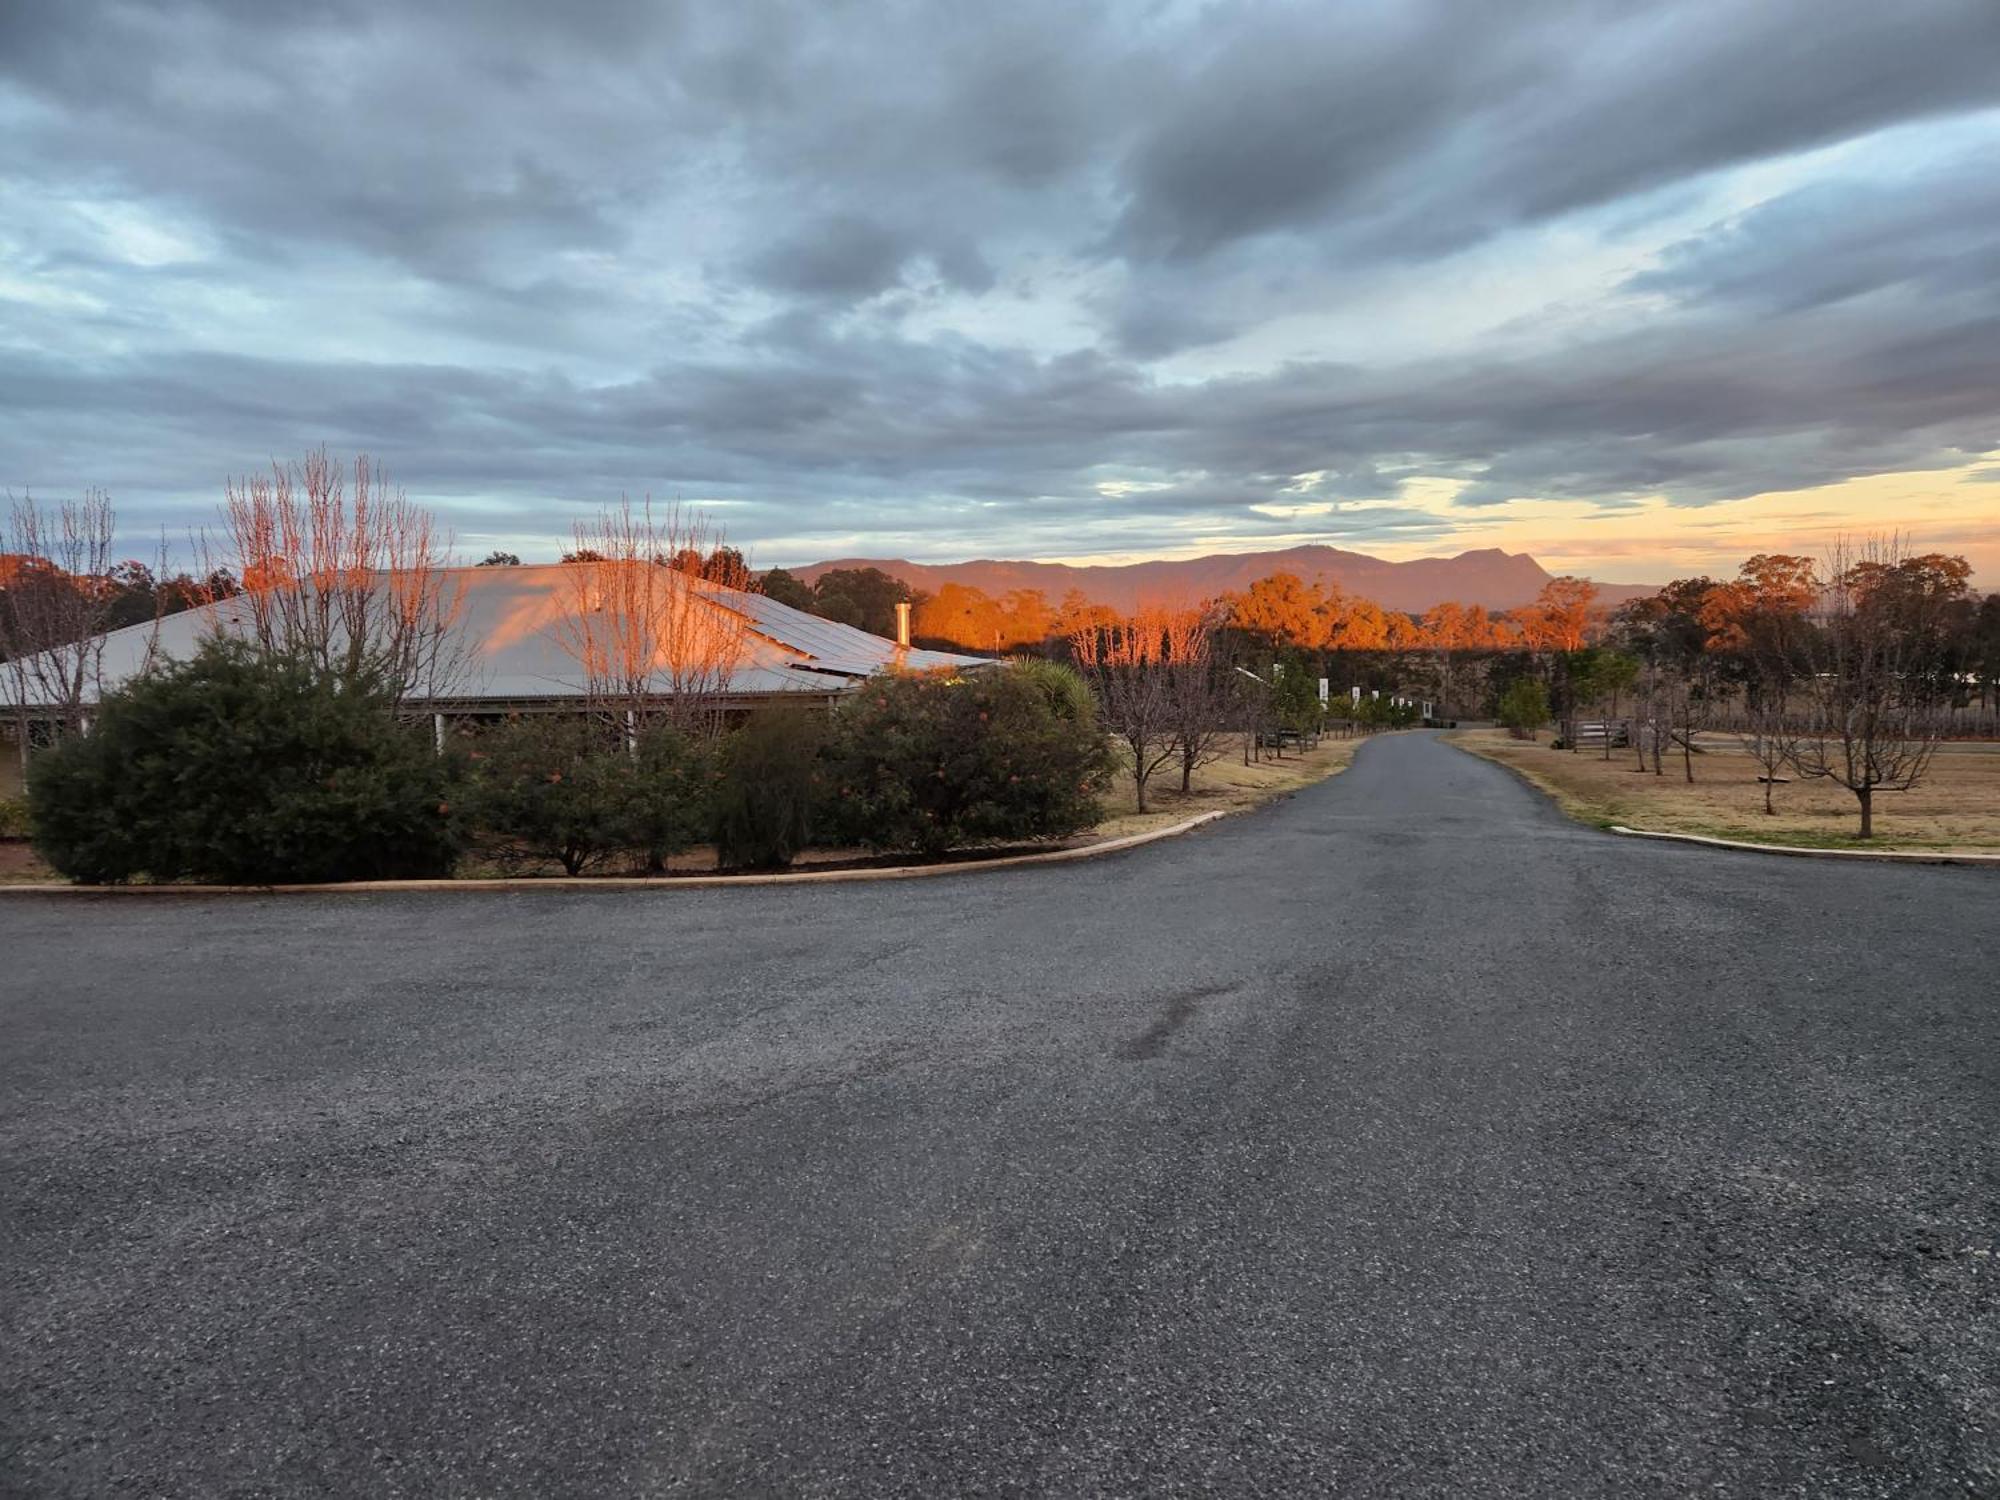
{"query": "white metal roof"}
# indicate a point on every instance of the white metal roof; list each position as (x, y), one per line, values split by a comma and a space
(517, 648)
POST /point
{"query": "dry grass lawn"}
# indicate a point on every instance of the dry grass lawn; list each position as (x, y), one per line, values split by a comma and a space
(19, 865)
(1225, 785)
(1956, 806)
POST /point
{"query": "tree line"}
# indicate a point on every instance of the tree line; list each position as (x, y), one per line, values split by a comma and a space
(1849, 668)
(1852, 668)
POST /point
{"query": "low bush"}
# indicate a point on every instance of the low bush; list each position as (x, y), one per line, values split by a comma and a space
(13, 817)
(767, 793)
(552, 788)
(929, 763)
(244, 769)
(1386, 713)
(671, 804)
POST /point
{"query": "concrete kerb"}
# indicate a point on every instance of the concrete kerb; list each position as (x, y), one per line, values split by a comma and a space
(636, 882)
(1886, 856)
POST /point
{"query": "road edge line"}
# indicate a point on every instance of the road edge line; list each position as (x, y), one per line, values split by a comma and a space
(1884, 856)
(639, 882)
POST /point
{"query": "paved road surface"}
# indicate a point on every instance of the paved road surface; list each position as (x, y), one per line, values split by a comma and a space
(1401, 1139)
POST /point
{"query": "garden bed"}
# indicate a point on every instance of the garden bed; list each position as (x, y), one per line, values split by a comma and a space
(1225, 785)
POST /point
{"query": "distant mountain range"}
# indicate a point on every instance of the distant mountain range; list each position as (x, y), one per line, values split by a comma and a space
(1496, 579)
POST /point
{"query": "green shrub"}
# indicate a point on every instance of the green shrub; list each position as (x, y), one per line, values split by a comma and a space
(1069, 696)
(1386, 713)
(671, 802)
(766, 795)
(1524, 707)
(928, 763)
(550, 787)
(244, 769)
(13, 817)
(1295, 698)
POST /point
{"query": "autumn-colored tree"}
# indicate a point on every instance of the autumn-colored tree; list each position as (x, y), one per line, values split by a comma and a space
(959, 615)
(1076, 613)
(1760, 612)
(1562, 616)
(1282, 610)
(1357, 625)
(1445, 631)
(1026, 618)
(1405, 632)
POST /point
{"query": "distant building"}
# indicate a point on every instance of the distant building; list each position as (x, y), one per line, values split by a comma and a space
(523, 635)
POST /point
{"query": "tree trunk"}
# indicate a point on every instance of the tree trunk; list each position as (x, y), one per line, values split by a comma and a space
(1866, 795)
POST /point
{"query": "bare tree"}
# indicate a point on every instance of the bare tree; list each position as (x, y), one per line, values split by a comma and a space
(1690, 699)
(1873, 718)
(1201, 685)
(1125, 661)
(1655, 704)
(351, 576)
(655, 641)
(1768, 738)
(55, 605)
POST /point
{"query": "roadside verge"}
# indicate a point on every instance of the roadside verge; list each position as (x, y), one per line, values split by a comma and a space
(1602, 813)
(1903, 856)
(633, 882)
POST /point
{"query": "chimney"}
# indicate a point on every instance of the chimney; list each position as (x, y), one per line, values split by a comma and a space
(902, 622)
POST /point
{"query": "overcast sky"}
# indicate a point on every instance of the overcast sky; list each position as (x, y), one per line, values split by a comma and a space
(1633, 286)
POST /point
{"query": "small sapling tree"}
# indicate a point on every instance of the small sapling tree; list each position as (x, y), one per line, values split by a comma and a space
(1524, 707)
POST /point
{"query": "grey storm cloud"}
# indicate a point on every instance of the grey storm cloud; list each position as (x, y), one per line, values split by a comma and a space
(935, 270)
(1929, 233)
(1423, 126)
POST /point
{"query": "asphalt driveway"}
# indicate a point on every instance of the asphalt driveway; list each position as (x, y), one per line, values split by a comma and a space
(1400, 1139)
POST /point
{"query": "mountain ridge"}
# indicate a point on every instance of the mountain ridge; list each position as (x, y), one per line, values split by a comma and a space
(1488, 576)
